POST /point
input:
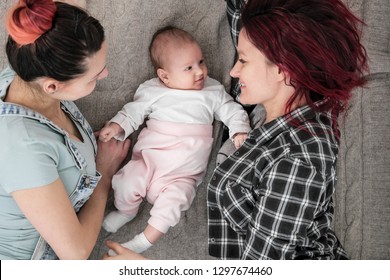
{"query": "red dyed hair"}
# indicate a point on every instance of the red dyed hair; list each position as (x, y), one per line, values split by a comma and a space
(51, 41)
(29, 19)
(316, 41)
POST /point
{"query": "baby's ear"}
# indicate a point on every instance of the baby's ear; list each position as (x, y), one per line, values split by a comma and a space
(163, 75)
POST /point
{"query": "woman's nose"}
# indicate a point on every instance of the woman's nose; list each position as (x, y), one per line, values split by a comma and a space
(234, 72)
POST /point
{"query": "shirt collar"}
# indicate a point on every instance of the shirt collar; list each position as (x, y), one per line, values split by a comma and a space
(295, 118)
(6, 77)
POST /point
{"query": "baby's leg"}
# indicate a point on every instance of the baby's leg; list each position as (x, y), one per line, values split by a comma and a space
(129, 186)
(165, 213)
(170, 203)
(115, 220)
(142, 241)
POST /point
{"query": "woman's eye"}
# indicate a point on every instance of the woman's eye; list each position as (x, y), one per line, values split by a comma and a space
(241, 61)
(201, 61)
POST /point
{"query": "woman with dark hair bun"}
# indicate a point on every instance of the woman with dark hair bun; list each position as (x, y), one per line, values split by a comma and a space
(54, 177)
(272, 198)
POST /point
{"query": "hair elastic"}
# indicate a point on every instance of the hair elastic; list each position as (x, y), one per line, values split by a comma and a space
(23, 30)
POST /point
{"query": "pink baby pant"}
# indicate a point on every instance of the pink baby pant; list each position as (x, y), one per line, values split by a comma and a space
(168, 162)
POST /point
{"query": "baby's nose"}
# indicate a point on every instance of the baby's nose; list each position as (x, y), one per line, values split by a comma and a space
(199, 71)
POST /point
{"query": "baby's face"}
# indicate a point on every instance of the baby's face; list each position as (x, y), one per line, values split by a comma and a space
(185, 67)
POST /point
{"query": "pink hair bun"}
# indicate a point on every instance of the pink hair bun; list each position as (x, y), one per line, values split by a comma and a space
(29, 19)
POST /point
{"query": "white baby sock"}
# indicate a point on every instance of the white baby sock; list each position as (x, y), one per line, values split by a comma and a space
(138, 244)
(115, 220)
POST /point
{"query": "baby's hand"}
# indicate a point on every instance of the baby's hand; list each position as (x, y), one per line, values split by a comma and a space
(238, 139)
(109, 131)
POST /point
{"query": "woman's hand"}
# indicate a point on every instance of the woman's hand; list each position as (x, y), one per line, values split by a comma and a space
(122, 253)
(110, 156)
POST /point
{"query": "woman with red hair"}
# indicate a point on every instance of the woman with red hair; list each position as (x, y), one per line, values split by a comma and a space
(272, 198)
(50, 163)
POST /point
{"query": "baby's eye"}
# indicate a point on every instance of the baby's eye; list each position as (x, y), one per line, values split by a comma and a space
(201, 61)
(189, 68)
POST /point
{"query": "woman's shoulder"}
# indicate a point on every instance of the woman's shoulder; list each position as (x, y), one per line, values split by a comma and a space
(19, 130)
(311, 142)
(29, 153)
(314, 143)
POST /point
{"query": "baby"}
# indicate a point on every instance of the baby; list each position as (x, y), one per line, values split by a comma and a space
(171, 155)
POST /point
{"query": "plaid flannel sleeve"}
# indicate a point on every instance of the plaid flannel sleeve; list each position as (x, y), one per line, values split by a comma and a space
(233, 10)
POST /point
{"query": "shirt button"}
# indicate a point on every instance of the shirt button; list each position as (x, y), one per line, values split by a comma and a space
(87, 181)
(212, 240)
(212, 208)
(214, 178)
(237, 153)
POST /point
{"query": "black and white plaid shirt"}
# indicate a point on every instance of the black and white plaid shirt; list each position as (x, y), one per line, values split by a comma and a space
(272, 198)
(233, 10)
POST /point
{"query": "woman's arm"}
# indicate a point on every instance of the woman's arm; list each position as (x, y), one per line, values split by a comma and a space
(49, 209)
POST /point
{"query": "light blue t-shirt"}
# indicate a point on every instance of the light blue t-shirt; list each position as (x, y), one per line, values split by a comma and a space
(32, 155)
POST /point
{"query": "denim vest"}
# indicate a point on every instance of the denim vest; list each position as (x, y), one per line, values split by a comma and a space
(86, 183)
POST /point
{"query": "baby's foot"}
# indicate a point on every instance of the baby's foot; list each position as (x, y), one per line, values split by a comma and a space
(115, 220)
(138, 244)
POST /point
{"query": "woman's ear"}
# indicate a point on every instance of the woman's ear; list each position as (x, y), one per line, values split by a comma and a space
(282, 75)
(51, 86)
(163, 75)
